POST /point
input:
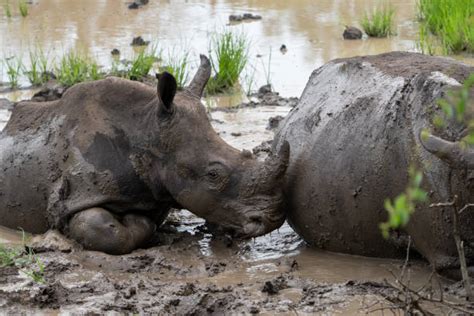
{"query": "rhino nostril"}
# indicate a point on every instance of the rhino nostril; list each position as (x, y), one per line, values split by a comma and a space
(256, 219)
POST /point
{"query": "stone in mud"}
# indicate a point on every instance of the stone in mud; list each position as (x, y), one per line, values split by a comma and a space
(106, 162)
(344, 166)
(244, 17)
(275, 286)
(235, 18)
(265, 89)
(250, 16)
(139, 41)
(274, 122)
(352, 33)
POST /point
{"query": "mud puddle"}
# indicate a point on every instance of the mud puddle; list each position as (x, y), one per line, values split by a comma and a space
(311, 32)
(192, 272)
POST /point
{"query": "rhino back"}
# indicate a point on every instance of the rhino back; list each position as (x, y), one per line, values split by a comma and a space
(82, 151)
(28, 162)
(353, 136)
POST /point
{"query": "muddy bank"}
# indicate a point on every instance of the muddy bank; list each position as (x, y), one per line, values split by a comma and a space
(191, 272)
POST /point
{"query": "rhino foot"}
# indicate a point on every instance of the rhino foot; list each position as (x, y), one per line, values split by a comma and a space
(100, 230)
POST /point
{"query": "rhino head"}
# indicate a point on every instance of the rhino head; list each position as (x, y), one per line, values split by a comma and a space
(204, 174)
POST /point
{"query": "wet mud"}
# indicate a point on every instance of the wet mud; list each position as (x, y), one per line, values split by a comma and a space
(192, 272)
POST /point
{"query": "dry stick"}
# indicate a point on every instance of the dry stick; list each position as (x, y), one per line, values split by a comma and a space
(459, 243)
(419, 296)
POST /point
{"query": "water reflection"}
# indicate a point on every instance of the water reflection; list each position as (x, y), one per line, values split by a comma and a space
(310, 29)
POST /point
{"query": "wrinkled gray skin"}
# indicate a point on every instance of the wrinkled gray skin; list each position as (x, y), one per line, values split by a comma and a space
(106, 162)
(354, 135)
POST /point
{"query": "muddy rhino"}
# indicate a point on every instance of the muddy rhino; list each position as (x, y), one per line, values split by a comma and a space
(105, 163)
(353, 136)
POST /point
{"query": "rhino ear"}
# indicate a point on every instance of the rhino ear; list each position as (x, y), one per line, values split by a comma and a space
(166, 90)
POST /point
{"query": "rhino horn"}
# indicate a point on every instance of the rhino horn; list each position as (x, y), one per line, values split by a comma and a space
(201, 77)
(456, 155)
(274, 168)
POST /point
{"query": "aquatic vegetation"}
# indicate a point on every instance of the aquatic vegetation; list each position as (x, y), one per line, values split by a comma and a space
(74, 68)
(267, 67)
(14, 66)
(380, 22)
(24, 259)
(229, 56)
(7, 9)
(178, 65)
(141, 64)
(450, 24)
(37, 74)
(23, 6)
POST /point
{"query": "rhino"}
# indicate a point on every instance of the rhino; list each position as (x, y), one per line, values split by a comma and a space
(354, 135)
(105, 163)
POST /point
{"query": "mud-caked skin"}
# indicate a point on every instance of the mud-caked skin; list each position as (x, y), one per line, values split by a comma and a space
(106, 162)
(353, 136)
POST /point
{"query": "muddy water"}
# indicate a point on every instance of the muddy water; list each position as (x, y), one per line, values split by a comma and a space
(311, 31)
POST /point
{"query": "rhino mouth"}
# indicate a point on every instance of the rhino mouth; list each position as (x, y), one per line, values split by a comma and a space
(258, 216)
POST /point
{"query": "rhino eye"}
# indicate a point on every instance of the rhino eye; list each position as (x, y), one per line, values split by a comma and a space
(213, 174)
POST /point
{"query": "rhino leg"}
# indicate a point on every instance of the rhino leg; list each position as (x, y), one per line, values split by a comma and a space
(100, 230)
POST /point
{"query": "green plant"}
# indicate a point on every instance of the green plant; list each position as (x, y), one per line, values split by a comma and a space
(400, 209)
(14, 67)
(8, 256)
(450, 22)
(23, 6)
(38, 72)
(229, 56)
(380, 22)
(455, 106)
(267, 68)
(7, 9)
(141, 64)
(178, 66)
(74, 68)
(24, 259)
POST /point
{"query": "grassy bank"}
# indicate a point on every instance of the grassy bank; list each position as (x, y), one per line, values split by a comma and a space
(446, 23)
(228, 55)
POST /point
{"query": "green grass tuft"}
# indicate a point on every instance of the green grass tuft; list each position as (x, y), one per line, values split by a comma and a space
(23, 258)
(37, 74)
(380, 22)
(141, 64)
(229, 56)
(447, 23)
(7, 9)
(23, 6)
(178, 65)
(14, 66)
(74, 68)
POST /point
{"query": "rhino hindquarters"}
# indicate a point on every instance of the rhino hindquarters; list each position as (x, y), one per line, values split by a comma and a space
(98, 229)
